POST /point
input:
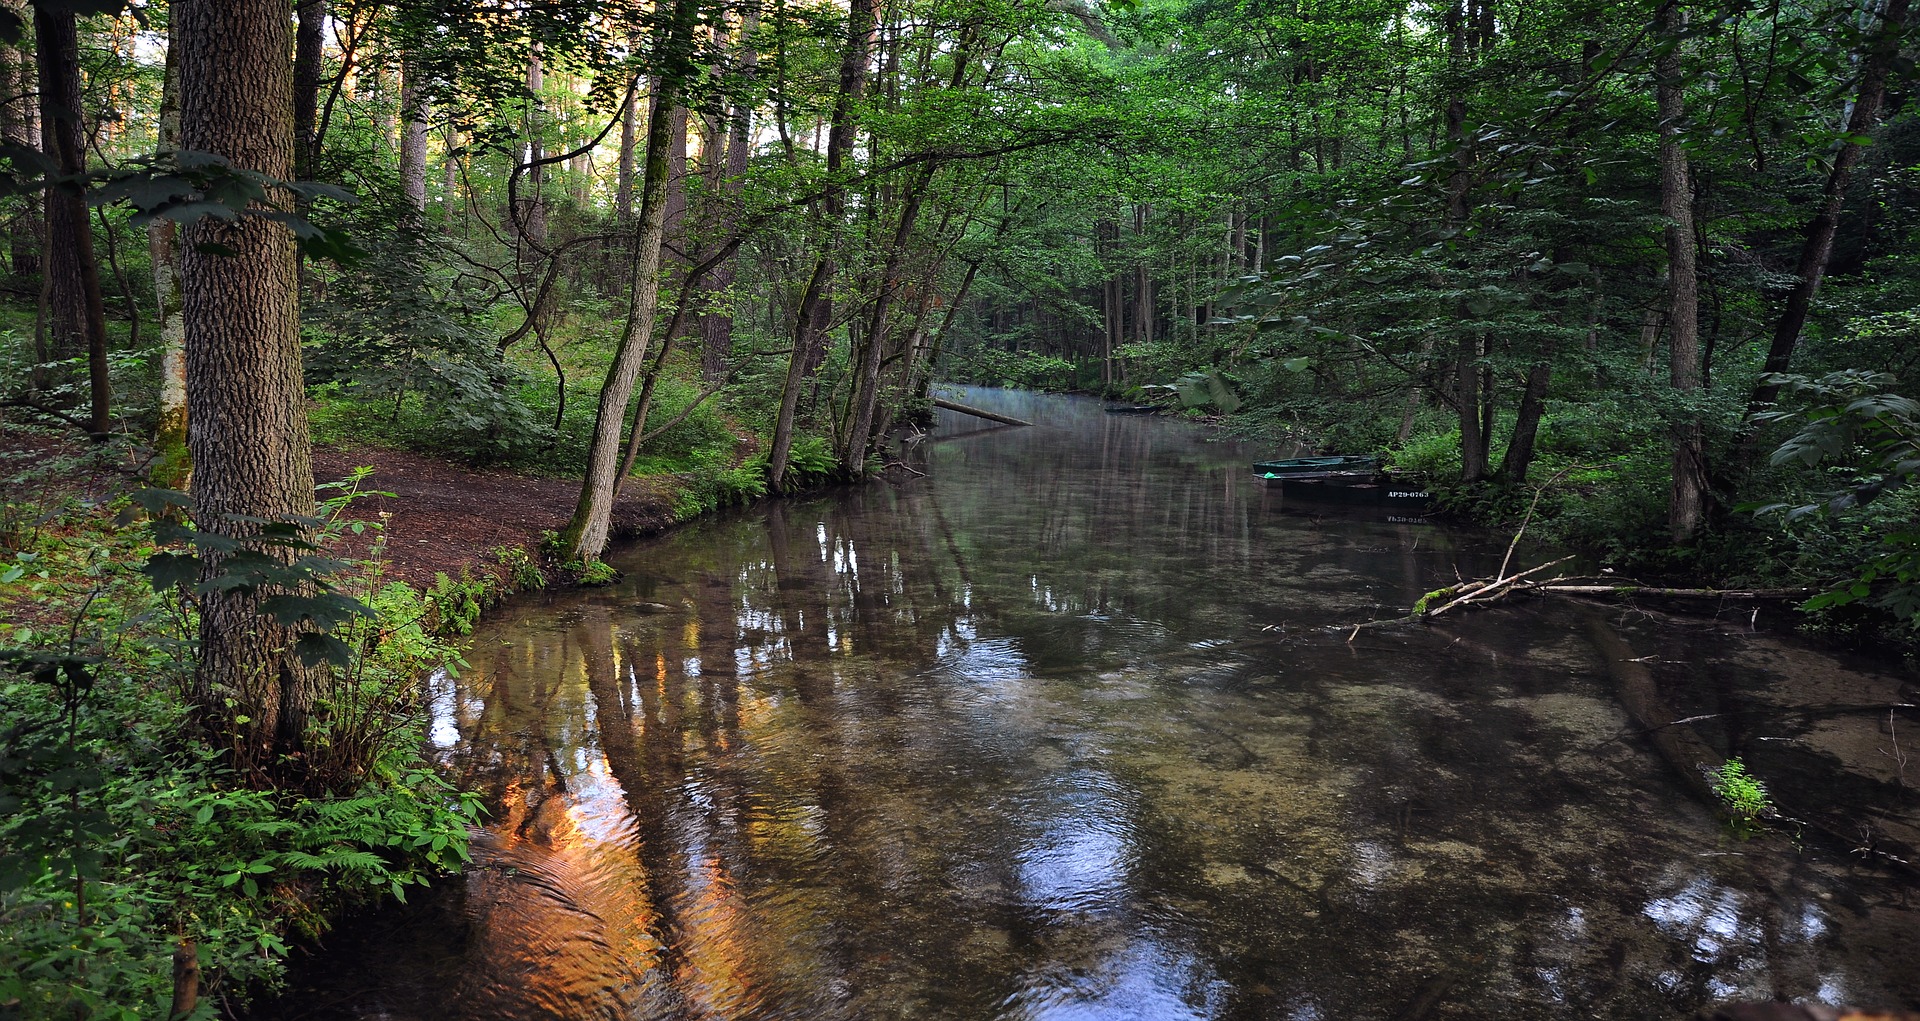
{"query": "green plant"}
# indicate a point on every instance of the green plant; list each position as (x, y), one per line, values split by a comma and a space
(125, 837)
(1740, 793)
(523, 572)
(595, 572)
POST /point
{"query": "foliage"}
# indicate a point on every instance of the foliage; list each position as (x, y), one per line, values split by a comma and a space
(1740, 793)
(122, 833)
(1867, 440)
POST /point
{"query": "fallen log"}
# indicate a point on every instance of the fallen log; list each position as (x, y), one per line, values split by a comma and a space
(1623, 591)
(991, 416)
(1694, 761)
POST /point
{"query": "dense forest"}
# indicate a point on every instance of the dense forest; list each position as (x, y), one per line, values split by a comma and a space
(1640, 272)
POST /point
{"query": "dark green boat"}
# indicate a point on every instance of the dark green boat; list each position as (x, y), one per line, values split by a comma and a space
(1352, 479)
(1300, 467)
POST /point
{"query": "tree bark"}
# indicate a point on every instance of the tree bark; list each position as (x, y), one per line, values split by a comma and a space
(531, 218)
(246, 404)
(1518, 459)
(1467, 391)
(76, 318)
(172, 466)
(586, 535)
(629, 137)
(413, 144)
(716, 326)
(309, 50)
(866, 393)
(450, 199)
(816, 309)
(20, 126)
(1687, 497)
(1882, 48)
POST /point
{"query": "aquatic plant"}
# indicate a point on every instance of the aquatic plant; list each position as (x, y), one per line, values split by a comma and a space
(1743, 796)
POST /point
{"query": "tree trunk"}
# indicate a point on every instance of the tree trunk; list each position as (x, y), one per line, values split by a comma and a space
(413, 144)
(450, 201)
(532, 223)
(623, 182)
(309, 51)
(172, 467)
(246, 403)
(586, 534)
(673, 258)
(1474, 441)
(816, 310)
(716, 327)
(20, 127)
(1526, 425)
(76, 318)
(1686, 503)
(866, 393)
(1882, 48)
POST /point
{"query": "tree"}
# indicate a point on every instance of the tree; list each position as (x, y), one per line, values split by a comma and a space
(1687, 500)
(245, 398)
(173, 467)
(76, 319)
(586, 533)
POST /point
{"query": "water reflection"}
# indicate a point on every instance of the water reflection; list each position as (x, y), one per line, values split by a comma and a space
(1052, 734)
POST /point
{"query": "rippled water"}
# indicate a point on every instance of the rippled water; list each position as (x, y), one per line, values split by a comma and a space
(1060, 731)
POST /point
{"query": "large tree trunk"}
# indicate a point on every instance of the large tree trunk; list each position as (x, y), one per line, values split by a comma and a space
(1687, 499)
(413, 144)
(172, 467)
(20, 127)
(76, 320)
(247, 414)
(1881, 49)
(586, 535)
(816, 310)
(308, 52)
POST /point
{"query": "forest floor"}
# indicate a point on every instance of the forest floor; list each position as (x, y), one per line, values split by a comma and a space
(446, 517)
(442, 516)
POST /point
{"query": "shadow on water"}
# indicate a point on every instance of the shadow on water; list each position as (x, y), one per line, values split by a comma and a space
(1056, 732)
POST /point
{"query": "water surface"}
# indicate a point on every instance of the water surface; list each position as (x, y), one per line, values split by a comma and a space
(1069, 728)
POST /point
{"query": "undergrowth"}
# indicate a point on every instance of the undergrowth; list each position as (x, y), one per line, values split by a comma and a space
(125, 837)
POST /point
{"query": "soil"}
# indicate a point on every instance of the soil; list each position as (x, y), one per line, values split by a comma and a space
(447, 517)
(444, 517)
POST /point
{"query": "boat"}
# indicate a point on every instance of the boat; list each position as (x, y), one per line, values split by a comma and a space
(1352, 479)
(1132, 409)
(1299, 467)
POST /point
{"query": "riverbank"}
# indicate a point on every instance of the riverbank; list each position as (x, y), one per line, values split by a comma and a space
(100, 744)
(447, 518)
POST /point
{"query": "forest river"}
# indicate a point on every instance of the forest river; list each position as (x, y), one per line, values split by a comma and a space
(1074, 726)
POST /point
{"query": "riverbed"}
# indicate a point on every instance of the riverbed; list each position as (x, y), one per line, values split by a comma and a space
(1070, 722)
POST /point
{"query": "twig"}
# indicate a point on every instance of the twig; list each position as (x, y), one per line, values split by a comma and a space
(1528, 519)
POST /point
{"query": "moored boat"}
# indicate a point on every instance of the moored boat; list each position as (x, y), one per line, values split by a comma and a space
(1299, 467)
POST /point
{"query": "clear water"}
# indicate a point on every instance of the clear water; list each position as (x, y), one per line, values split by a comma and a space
(1068, 729)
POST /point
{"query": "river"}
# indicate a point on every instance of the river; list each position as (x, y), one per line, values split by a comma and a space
(1072, 727)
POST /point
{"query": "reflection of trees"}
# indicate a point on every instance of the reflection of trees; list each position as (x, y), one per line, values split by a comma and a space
(867, 767)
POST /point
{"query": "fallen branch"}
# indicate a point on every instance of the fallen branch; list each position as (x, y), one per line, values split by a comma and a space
(1469, 593)
(991, 416)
